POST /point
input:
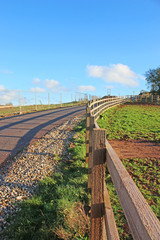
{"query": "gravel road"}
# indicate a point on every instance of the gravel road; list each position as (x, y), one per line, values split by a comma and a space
(17, 132)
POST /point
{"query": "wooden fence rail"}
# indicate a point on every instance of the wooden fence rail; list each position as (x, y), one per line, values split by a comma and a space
(149, 99)
(142, 222)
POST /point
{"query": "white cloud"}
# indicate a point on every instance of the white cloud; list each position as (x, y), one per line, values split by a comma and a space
(52, 84)
(2, 88)
(36, 81)
(55, 86)
(37, 89)
(6, 71)
(7, 96)
(86, 88)
(118, 73)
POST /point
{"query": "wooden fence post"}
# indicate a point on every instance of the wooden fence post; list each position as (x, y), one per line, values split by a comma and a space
(98, 184)
(87, 131)
(157, 99)
(152, 98)
(136, 98)
(90, 158)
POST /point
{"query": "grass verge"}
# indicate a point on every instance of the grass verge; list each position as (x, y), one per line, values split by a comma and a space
(58, 207)
(10, 111)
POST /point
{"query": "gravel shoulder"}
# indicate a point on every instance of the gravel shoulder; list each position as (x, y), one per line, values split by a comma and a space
(19, 175)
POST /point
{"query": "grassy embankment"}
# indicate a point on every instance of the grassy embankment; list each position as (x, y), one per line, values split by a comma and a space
(59, 205)
(9, 111)
(134, 122)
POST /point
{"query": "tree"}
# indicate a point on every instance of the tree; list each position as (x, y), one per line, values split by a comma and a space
(153, 80)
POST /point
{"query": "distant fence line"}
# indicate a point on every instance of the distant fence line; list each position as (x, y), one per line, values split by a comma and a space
(32, 97)
(36, 100)
(154, 99)
(21, 99)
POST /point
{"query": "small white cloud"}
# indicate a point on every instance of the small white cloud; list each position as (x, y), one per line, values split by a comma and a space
(55, 86)
(117, 73)
(38, 89)
(8, 96)
(36, 81)
(6, 71)
(2, 88)
(52, 84)
(86, 88)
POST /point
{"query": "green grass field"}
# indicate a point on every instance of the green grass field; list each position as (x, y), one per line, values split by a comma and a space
(132, 122)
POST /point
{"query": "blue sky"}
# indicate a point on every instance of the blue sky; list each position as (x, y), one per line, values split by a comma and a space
(78, 45)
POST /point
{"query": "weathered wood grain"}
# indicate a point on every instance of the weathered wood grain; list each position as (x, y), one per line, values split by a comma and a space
(106, 103)
(102, 100)
(90, 159)
(87, 132)
(98, 183)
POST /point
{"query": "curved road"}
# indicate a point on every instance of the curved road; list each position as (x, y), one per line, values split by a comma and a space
(17, 132)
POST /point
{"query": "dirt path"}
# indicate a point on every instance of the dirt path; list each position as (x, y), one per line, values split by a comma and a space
(17, 132)
(136, 149)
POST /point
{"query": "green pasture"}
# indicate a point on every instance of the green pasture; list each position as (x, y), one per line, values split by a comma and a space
(132, 122)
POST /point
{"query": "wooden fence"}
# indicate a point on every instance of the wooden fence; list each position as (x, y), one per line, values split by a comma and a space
(148, 99)
(142, 221)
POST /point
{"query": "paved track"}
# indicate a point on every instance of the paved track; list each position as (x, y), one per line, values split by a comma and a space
(17, 132)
